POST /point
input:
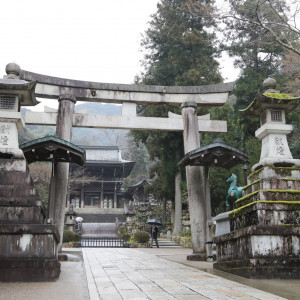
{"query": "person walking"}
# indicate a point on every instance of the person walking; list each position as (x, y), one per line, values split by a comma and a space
(153, 234)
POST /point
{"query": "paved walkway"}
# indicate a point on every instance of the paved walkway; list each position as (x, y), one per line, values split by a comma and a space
(143, 273)
(123, 273)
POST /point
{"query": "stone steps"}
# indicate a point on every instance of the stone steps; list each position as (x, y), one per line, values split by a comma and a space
(165, 243)
(99, 211)
(101, 218)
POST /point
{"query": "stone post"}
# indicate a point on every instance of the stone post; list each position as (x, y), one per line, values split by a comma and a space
(63, 131)
(178, 204)
(115, 198)
(82, 196)
(208, 213)
(195, 180)
(68, 198)
(51, 194)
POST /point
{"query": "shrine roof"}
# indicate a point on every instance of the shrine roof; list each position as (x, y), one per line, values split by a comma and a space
(216, 154)
(107, 157)
(139, 184)
(52, 148)
(103, 154)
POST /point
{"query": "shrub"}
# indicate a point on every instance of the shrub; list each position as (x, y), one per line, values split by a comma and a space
(141, 237)
(70, 236)
(123, 234)
(126, 236)
(185, 234)
(122, 230)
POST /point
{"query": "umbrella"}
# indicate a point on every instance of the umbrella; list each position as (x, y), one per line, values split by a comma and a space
(154, 221)
(79, 220)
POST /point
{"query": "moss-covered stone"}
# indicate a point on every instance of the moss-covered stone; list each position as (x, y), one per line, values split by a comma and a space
(269, 195)
(292, 205)
(280, 96)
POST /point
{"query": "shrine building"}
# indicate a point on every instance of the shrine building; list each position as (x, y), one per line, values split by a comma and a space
(98, 183)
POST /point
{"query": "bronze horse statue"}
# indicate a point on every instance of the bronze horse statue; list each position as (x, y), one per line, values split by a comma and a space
(234, 192)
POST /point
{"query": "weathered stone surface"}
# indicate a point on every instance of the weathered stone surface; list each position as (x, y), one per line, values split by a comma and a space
(17, 190)
(268, 173)
(195, 180)
(280, 196)
(259, 242)
(197, 257)
(22, 214)
(26, 270)
(266, 214)
(30, 229)
(21, 201)
(52, 87)
(28, 247)
(270, 268)
(14, 165)
(14, 178)
(260, 252)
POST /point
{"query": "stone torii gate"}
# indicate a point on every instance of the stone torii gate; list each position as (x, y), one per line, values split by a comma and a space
(67, 92)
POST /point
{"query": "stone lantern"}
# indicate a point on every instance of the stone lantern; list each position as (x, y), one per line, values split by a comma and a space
(70, 218)
(13, 94)
(272, 107)
(264, 237)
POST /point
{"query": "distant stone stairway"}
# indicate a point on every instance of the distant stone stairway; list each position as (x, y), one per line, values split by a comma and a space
(165, 243)
(99, 229)
(102, 218)
(101, 215)
(100, 235)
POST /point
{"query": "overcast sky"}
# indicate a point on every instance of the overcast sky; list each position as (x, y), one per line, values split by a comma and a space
(93, 40)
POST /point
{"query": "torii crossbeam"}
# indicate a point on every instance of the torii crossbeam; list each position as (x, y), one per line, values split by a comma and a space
(129, 95)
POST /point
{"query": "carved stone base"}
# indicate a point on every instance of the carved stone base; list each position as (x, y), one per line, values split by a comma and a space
(28, 246)
(267, 268)
(28, 270)
(197, 257)
(260, 252)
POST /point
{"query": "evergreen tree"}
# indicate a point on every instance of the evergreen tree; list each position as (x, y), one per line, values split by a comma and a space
(179, 51)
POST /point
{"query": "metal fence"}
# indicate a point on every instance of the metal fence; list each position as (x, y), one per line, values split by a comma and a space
(109, 242)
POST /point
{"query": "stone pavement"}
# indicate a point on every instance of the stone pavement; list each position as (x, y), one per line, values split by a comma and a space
(141, 273)
(122, 273)
(72, 284)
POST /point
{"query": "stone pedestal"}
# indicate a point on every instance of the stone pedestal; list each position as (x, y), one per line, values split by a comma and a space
(264, 238)
(28, 246)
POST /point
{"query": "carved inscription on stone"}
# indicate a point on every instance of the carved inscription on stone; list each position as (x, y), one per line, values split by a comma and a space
(279, 146)
(4, 132)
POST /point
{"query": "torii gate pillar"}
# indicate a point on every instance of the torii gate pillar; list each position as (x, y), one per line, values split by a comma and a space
(63, 131)
(195, 182)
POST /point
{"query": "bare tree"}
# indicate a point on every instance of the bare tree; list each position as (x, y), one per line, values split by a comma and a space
(279, 19)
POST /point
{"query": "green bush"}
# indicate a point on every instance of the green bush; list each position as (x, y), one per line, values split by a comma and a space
(126, 236)
(122, 230)
(188, 233)
(70, 236)
(141, 237)
(123, 234)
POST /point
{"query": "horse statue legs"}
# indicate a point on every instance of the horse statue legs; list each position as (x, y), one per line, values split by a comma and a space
(234, 192)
